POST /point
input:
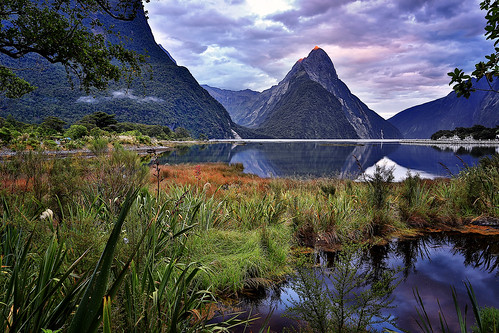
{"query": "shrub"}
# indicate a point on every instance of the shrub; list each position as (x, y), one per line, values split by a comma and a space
(490, 320)
(337, 299)
(114, 175)
(5, 134)
(50, 144)
(76, 132)
(379, 185)
(98, 146)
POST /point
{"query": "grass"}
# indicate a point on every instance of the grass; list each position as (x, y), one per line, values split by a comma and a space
(240, 259)
(190, 233)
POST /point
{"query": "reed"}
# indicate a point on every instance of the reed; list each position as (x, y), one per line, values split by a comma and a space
(486, 319)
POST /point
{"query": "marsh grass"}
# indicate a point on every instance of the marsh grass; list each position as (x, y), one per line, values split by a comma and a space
(241, 259)
(479, 188)
(486, 319)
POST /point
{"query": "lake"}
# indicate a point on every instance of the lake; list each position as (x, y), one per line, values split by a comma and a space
(337, 158)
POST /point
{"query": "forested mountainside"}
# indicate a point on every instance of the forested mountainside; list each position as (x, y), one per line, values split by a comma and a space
(449, 112)
(166, 94)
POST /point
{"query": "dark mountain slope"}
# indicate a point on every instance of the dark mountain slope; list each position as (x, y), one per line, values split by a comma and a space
(367, 123)
(307, 111)
(235, 102)
(172, 97)
(447, 113)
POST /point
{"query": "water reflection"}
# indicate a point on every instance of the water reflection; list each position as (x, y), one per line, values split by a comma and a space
(323, 159)
(431, 263)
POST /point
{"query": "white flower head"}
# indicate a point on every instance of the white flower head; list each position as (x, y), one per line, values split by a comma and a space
(48, 213)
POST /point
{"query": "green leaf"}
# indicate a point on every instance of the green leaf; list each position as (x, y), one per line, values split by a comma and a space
(87, 316)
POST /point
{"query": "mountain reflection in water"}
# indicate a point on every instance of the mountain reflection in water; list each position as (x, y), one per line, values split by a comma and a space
(431, 263)
(326, 159)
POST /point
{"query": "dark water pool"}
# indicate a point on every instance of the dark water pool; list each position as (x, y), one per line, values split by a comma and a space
(431, 263)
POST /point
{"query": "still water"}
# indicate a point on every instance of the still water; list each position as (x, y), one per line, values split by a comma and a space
(431, 263)
(333, 158)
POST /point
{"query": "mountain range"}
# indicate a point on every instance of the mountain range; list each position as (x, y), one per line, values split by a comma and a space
(310, 102)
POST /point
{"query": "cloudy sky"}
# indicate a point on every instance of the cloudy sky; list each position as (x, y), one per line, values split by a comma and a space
(392, 54)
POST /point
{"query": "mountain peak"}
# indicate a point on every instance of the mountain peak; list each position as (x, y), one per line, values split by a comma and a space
(318, 65)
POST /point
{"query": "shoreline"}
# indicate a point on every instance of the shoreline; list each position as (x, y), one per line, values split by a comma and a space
(140, 149)
(427, 142)
(164, 146)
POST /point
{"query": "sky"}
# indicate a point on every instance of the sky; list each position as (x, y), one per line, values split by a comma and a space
(392, 54)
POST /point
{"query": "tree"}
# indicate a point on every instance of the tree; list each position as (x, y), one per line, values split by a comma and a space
(76, 132)
(98, 119)
(181, 133)
(488, 69)
(53, 124)
(65, 32)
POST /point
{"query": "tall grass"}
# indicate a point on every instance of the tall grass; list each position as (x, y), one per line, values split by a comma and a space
(479, 187)
(415, 201)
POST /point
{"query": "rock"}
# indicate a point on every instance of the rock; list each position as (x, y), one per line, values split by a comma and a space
(486, 221)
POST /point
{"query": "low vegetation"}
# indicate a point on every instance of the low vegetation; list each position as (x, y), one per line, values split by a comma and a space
(93, 129)
(343, 298)
(151, 248)
(477, 132)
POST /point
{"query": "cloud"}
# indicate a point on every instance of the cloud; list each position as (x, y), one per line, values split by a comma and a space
(120, 94)
(392, 54)
(87, 99)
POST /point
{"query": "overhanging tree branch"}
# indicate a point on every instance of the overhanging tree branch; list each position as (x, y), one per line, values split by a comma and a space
(465, 84)
(61, 32)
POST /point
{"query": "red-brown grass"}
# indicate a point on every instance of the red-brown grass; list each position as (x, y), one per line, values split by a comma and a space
(208, 176)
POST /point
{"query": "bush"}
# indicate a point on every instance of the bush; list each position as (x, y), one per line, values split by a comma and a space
(379, 185)
(50, 144)
(340, 299)
(116, 174)
(490, 320)
(96, 132)
(5, 134)
(76, 132)
(98, 146)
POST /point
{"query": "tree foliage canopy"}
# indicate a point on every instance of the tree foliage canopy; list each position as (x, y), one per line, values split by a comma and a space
(488, 69)
(67, 32)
